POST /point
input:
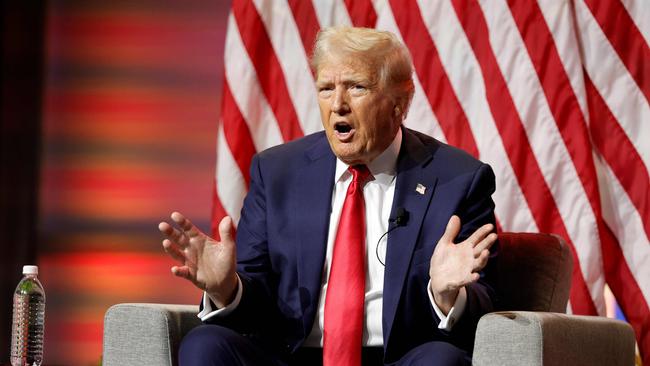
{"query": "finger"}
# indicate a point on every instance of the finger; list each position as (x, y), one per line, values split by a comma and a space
(182, 272)
(185, 224)
(474, 277)
(481, 261)
(469, 279)
(226, 230)
(480, 233)
(452, 230)
(174, 234)
(165, 228)
(173, 250)
(486, 243)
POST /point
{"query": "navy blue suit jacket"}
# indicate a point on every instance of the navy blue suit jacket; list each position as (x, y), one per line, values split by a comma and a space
(282, 237)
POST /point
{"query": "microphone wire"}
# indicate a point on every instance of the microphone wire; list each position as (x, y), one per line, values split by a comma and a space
(401, 219)
(379, 241)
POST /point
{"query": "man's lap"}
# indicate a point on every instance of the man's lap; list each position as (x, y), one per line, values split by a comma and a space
(216, 345)
(435, 354)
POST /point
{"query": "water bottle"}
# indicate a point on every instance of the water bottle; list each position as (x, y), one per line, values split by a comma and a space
(28, 320)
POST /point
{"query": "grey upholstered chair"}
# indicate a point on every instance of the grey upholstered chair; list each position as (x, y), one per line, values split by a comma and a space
(534, 272)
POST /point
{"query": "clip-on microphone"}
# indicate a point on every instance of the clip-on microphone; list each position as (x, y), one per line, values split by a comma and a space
(401, 219)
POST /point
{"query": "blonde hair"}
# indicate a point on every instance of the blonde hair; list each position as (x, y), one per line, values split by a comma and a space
(382, 49)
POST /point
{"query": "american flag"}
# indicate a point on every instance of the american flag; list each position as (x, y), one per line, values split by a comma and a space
(552, 94)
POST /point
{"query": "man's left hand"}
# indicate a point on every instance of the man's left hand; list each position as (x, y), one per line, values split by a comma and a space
(456, 265)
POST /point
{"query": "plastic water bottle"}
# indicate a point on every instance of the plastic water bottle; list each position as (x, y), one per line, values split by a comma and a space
(28, 320)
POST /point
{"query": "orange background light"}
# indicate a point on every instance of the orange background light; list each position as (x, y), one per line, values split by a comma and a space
(131, 107)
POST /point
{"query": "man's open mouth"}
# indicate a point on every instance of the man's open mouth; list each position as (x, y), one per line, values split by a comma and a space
(342, 127)
(343, 131)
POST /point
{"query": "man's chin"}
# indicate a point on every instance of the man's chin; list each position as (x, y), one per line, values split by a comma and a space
(350, 158)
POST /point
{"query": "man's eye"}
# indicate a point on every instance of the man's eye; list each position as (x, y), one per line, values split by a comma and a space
(358, 87)
(325, 91)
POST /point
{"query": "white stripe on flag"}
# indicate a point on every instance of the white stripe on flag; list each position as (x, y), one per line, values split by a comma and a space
(331, 13)
(547, 144)
(247, 92)
(614, 83)
(465, 76)
(624, 220)
(559, 18)
(285, 38)
(420, 117)
(230, 182)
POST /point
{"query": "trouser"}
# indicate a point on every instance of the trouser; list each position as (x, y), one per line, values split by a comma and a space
(215, 345)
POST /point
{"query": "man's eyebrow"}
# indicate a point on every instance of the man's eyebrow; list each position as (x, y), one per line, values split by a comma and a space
(365, 81)
(348, 80)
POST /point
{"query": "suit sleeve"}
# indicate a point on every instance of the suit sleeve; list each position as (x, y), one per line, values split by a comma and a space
(476, 210)
(256, 312)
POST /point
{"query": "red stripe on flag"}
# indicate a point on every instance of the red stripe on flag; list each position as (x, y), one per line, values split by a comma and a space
(570, 120)
(627, 292)
(269, 73)
(620, 154)
(559, 94)
(630, 45)
(237, 134)
(436, 85)
(362, 13)
(307, 22)
(530, 178)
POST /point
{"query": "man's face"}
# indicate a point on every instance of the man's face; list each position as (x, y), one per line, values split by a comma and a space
(357, 113)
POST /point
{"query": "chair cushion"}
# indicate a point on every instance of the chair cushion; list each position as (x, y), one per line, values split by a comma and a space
(539, 338)
(533, 272)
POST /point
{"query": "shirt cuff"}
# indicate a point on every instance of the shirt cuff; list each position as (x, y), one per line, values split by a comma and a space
(447, 321)
(208, 311)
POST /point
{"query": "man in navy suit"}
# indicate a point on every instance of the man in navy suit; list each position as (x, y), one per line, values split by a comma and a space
(426, 282)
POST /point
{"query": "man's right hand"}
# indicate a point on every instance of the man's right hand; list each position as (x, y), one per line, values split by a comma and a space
(209, 264)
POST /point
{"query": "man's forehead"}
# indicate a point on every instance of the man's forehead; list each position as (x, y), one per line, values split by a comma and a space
(347, 68)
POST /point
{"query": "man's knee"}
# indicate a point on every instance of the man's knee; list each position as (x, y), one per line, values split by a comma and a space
(207, 344)
(436, 353)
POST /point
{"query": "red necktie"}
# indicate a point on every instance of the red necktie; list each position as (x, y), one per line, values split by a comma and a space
(346, 286)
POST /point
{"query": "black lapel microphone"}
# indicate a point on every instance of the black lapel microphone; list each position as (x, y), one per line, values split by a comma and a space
(401, 219)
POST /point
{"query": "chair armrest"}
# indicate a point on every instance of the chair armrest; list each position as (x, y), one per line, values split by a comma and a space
(146, 334)
(540, 338)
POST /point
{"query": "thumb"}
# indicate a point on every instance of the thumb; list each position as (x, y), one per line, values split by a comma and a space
(226, 230)
(452, 230)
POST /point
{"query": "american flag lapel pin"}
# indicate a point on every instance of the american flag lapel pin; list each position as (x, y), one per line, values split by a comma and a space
(420, 188)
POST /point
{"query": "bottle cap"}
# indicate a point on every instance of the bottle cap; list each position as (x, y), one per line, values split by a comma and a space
(30, 270)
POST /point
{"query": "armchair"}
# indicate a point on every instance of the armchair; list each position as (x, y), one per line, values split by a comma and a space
(534, 273)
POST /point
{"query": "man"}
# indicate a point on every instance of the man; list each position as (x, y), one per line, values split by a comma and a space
(313, 266)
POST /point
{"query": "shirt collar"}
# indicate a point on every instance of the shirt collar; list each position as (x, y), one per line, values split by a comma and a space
(382, 167)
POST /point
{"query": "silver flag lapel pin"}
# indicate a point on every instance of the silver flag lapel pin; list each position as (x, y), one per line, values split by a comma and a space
(420, 188)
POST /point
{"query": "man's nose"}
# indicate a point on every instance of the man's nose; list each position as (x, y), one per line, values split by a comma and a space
(340, 103)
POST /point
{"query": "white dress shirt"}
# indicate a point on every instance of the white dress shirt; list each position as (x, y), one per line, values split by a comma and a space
(378, 195)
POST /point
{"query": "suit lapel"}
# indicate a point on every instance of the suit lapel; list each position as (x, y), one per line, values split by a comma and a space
(311, 212)
(413, 191)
